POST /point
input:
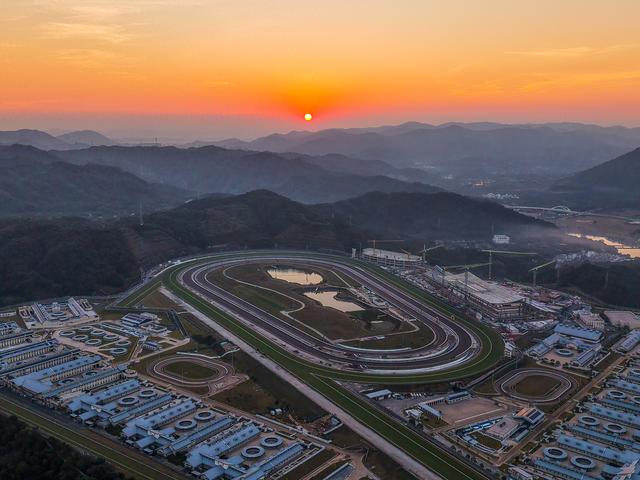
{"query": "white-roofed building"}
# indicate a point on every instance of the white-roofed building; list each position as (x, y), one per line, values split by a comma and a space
(391, 258)
(492, 300)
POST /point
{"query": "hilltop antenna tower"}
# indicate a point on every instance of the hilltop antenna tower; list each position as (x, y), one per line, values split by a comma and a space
(140, 213)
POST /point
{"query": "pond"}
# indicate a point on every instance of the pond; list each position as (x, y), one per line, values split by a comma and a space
(622, 249)
(328, 299)
(295, 275)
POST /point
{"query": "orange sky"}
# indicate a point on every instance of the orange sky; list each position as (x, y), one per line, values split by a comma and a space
(347, 62)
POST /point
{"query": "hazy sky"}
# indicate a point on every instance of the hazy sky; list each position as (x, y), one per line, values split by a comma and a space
(212, 69)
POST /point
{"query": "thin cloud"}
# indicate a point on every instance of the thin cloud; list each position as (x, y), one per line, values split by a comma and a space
(548, 80)
(218, 83)
(570, 52)
(111, 33)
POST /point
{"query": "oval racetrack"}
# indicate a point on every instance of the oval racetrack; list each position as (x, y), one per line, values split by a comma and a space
(453, 344)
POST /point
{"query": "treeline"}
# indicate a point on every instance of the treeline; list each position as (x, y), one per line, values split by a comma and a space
(614, 284)
(45, 259)
(27, 454)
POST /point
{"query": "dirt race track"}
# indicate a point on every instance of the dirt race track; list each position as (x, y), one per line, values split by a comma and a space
(536, 385)
(222, 374)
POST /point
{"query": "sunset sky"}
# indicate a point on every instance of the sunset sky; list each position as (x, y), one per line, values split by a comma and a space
(218, 68)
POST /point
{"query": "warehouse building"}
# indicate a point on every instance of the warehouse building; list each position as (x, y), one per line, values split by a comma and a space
(390, 258)
(26, 351)
(7, 328)
(42, 381)
(629, 342)
(530, 415)
(45, 360)
(584, 334)
(493, 301)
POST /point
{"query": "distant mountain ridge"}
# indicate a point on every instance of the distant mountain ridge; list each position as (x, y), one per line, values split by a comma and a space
(215, 169)
(453, 148)
(36, 183)
(45, 141)
(86, 138)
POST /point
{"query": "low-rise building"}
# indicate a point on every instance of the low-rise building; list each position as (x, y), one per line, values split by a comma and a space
(390, 258)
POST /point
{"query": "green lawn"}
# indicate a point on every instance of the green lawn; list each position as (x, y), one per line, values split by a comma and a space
(189, 370)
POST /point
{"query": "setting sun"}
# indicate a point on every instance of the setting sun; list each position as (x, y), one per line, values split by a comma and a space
(308, 117)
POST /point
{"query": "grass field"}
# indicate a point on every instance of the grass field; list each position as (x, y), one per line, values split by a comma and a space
(536, 386)
(486, 440)
(322, 379)
(313, 318)
(374, 460)
(189, 370)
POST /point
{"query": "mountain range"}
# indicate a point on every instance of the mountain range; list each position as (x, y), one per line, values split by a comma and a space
(337, 164)
(213, 169)
(37, 183)
(45, 141)
(463, 149)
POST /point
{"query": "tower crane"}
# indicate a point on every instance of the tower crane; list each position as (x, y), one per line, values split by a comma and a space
(425, 250)
(503, 252)
(422, 252)
(375, 242)
(534, 270)
(466, 273)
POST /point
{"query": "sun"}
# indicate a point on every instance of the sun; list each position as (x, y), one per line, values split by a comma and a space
(308, 117)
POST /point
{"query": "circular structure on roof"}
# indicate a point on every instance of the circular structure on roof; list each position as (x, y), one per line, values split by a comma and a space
(97, 333)
(204, 416)
(188, 424)
(86, 328)
(615, 428)
(130, 373)
(90, 373)
(110, 337)
(80, 338)
(122, 343)
(616, 394)
(127, 401)
(636, 399)
(535, 385)
(253, 451)
(588, 420)
(93, 342)
(117, 351)
(67, 333)
(564, 352)
(66, 381)
(271, 441)
(583, 462)
(555, 453)
(635, 371)
(147, 393)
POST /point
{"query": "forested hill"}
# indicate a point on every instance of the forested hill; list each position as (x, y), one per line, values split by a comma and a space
(441, 215)
(29, 187)
(615, 183)
(40, 259)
